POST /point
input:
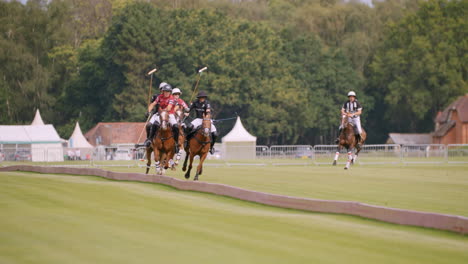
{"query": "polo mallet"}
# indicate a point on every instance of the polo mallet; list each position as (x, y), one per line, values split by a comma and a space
(198, 81)
(151, 83)
(196, 86)
(149, 98)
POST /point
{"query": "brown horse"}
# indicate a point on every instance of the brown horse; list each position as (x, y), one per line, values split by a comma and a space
(348, 140)
(162, 145)
(199, 145)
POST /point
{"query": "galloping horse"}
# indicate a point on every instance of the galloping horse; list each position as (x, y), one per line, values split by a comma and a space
(348, 141)
(199, 145)
(162, 145)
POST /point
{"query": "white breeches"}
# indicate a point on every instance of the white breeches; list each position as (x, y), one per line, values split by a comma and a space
(356, 121)
(198, 122)
(155, 118)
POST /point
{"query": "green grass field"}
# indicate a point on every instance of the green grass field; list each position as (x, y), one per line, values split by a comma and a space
(78, 219)
(433, 188)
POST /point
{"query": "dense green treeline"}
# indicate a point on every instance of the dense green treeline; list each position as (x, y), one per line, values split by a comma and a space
(284, 66)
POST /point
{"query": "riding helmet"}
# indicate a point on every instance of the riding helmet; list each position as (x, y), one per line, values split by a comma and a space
(351, 93)
(162, 85)
(176, 90)
(202, 94)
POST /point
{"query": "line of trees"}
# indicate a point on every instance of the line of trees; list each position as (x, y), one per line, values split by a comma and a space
(284, 66)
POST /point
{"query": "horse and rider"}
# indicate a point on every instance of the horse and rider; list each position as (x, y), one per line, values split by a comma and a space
(175, 110)
(351, 134)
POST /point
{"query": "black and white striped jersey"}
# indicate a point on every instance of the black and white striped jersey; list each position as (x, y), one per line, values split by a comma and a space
(352, 107)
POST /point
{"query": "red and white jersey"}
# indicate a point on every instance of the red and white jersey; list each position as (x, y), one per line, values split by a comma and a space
(181, 103)
(164, 102)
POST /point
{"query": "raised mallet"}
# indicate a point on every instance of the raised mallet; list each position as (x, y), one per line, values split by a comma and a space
(151, 83)
(198, 81)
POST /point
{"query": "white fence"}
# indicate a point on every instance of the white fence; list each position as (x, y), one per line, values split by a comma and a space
(264, 155)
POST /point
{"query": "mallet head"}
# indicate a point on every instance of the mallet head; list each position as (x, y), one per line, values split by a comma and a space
(202, 69)
(152, 71)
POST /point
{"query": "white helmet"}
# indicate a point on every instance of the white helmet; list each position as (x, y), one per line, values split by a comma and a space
(176, 90)
(352, 93)
(162, 85)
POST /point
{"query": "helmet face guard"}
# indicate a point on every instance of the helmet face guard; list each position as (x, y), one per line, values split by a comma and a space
(167, 88)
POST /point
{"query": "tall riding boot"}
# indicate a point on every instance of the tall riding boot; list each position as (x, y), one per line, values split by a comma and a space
(338, 138)
(175, 133)
(214, 135)
(188, 135)
(152, 132)
(148, 128)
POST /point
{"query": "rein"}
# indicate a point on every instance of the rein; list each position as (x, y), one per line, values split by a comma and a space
(164, 139)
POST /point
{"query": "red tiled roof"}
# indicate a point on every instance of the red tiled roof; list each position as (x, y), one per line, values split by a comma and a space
(460, 105)
(116, 133)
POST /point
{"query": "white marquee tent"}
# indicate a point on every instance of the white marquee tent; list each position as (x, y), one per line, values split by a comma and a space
(35, 142)
(239, 144)
(78, 146)
(77, 140)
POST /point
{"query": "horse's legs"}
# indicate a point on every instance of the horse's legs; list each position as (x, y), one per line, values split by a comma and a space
(157, 160)
(350, 158)
(184, 167)
(180, 142)
(171, 163)
(356, 154)
(337, 154)
(200, 166)
(187, 174)
(148, 157)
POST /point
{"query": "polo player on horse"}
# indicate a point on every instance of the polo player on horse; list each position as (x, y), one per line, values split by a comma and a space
(180, 107)
(153, 111)
(352, 109)
(201, 106)
(165, 101)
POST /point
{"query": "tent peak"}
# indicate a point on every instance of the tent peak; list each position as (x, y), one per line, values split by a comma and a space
(239, 134)
(37, 119)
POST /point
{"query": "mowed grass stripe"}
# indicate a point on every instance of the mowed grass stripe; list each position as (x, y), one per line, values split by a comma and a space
(76, 219)
(439, 189)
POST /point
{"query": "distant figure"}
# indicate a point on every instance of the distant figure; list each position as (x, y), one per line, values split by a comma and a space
(352, 109)
(78, 154)
(71, 154)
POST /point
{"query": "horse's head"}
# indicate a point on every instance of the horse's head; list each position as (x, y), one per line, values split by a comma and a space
(344, 121)
(179, 115)
(206, 125)
(164, 118)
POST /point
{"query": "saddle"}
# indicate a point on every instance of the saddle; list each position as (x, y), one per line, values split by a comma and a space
(356, 132)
